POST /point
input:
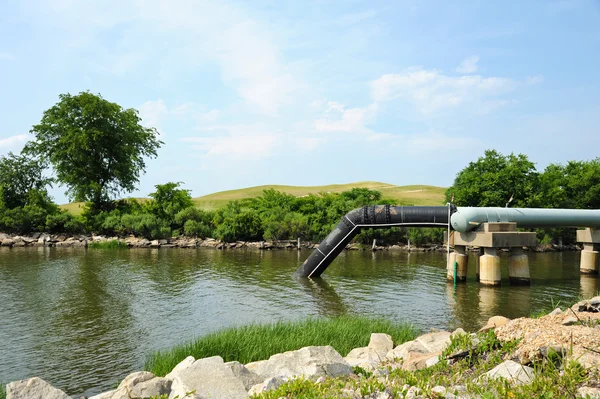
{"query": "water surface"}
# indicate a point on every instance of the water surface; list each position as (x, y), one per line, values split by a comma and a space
(83, 319)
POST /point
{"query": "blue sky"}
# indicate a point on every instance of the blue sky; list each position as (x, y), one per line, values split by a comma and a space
(314, 92)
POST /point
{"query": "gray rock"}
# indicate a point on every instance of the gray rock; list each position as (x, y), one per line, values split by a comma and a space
(248, 378)
(310, 362)
(266, 385)
(569, 321)
(212, 378)
(381, 343)
(588, 393)
(367, 358)
(401, 351)
(185, 363)
(555, 312)
(438, 391)
(435, 342)
(512, 371)
(105, 395)
(412, 393)
(8, 242)
(142, 384)
(33, 388)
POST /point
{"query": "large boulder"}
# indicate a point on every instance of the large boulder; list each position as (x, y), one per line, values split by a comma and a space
(33, 388)
(435, 341)
(402, 351)
(104, 395)
(371, 356)
(514, 372)
(141, 385)
(211, 378)
(310, 362)
(493, 322)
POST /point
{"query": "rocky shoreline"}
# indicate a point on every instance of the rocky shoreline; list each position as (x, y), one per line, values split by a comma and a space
(525, 353)
(82, 241)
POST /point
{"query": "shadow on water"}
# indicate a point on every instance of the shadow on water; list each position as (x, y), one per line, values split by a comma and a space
(327, 300)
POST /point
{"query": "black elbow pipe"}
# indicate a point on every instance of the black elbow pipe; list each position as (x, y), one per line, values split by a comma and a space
(374, 216)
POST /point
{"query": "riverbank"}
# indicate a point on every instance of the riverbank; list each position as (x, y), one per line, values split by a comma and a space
(556, 355)
(99, 241)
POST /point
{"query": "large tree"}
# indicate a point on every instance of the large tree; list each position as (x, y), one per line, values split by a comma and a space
(493, 179)
(21, 179)
(96, 147)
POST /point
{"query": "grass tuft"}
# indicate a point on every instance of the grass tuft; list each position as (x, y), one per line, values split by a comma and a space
(112, 244)
(259, 341)
(2, 391)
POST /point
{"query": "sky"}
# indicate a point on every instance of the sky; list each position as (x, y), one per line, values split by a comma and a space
(314, 92)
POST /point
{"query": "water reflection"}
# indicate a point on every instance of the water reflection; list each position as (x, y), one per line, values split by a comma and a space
(327, 301)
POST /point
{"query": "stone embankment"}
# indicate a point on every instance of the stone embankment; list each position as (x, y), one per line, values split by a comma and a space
(66, 241)
(563, 337)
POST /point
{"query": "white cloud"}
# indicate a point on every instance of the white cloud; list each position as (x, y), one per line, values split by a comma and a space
(468, 65)
(534, 80)
(249, 147)
(13, 141)
(7, 56)
(176, 35)
(153, 112)
(345, 120)
(431, 91)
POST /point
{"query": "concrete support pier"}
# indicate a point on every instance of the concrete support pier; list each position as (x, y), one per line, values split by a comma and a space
(518, 267)
(590, 256)
(462, 259)
(490, 237)
(489, 267)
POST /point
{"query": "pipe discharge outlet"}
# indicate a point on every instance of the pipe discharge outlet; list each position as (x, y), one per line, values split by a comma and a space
(375, 216)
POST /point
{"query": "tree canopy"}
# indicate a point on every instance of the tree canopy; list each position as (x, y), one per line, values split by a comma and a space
(19, 177)
(96, 147)
(493, 179)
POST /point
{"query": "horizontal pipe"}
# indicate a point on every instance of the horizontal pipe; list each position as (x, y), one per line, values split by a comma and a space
(375, 216)
(469, 218)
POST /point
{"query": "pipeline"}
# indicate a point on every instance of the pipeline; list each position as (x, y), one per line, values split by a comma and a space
(469, 218)
(375, 216)
(462, 219)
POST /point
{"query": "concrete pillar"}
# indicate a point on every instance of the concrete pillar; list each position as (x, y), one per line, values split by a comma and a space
(518, 267)
(462, 259)
(489, 268)
(478, 263)
(450, 266)
(590, 259)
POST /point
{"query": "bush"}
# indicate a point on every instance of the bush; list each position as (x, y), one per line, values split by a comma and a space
(64, 222)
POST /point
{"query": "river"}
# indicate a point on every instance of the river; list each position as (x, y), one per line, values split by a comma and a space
(83, 319)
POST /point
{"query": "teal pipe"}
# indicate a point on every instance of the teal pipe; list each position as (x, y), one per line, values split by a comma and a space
(469, 218)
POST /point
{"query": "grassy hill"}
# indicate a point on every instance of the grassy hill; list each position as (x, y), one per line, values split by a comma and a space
(414, 195)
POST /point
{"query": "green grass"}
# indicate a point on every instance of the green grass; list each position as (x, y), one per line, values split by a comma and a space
(415, 194)
(112, 244)
(553, 379)
(2, 391)
(260, 341)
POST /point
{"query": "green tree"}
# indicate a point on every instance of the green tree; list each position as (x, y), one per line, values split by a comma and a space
(168, 200)
(493, 179)
(96, 147)
(20, 177)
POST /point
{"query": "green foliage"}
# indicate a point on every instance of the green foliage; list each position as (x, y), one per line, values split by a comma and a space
(234, 223)
(64, 222)
(20, 177)
(195, 222)
(493, 179)
(145, 225)
(96, 148)
(260, 341)
(2, 391)
(168, 200)
(419, 237)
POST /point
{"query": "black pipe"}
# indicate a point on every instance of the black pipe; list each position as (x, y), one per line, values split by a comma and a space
(375, 216)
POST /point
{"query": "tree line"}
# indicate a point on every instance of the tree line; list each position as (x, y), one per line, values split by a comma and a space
(97, 150)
